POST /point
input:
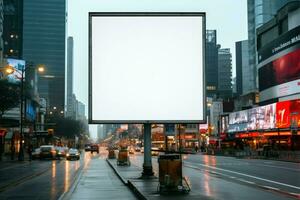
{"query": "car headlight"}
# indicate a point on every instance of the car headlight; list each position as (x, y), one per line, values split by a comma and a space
(77, 154)
(68, 154)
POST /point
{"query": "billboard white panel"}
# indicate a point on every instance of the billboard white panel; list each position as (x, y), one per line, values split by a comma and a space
(146, 67)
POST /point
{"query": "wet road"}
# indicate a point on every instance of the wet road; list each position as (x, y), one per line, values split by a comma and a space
(229, 177)
(44, 179)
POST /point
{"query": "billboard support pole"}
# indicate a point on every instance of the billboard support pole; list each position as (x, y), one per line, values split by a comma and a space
(147, 166)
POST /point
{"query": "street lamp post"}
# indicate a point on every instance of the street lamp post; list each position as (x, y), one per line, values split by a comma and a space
(21, 151)
(10, 70)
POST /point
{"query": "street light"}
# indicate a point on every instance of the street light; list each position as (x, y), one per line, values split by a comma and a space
(10, 70)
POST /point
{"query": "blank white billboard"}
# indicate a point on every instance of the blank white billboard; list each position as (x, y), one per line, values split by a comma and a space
(146, 67)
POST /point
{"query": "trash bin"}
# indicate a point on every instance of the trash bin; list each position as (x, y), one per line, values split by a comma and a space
(111, 154)
(170, 172)
(123, 158)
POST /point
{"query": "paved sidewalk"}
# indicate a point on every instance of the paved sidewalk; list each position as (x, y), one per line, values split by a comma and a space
(98, 181)
(206, 185)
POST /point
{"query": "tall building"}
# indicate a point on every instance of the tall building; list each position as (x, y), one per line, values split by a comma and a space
(1, 30)
(259, 12)
(80, 111)
(101, 134)
(44, 24)
(244, 74)
(278, 45)
(211, 63)
(12, 28)
(224, 73)
(69, 93)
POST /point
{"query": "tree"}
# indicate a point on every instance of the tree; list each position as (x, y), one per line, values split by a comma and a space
(9, 96)
(68, 127)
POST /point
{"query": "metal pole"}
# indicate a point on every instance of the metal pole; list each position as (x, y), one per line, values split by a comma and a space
(147, 166)
(21, 152)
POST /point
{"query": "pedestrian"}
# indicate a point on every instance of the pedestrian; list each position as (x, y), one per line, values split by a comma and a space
(30, 149)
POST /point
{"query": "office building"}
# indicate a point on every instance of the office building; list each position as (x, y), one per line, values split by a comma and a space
(259, 12)
(69, 94)
(211, 63)
(44, 25)
(224, 73)
(12, 28)
(244, 75)
(278, 46)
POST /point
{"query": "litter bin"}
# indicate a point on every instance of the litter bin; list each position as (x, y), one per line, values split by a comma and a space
(111, 154)
(170, 172)
(123, 158)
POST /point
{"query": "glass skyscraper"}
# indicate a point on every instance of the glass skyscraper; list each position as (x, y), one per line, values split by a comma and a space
(44, 25)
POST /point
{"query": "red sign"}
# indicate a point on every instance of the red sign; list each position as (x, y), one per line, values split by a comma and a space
(283, 114)
(2, 133)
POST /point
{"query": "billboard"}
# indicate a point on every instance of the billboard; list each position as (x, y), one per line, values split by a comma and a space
(18, 65)
(146, 67)
(279, 66)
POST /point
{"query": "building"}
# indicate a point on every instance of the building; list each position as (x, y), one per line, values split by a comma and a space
(80, 111)
(224, 74)
(259, 12)
(44, 25)
(211, 63)
(69, 94)
(1, 30)
(12, 28)
(100, 132)
(278, 46)
(244, 74)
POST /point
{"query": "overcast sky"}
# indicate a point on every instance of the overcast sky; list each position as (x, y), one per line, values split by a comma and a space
(228, 17)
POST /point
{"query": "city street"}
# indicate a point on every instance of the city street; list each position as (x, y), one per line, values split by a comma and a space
(45, 179)
(221, 177)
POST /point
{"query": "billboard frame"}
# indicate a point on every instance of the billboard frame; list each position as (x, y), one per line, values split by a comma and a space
(144, 14)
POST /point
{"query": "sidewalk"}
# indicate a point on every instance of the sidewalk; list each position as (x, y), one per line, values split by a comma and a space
(148, 188)
(98, 181)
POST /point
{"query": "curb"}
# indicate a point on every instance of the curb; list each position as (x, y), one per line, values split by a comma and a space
(138, 194)
(128, 183)
(116, 172)
(68, 193)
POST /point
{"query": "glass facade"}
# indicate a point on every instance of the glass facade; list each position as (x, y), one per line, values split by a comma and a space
(44, 43)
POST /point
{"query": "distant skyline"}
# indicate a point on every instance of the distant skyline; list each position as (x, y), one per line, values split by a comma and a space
(228, 17)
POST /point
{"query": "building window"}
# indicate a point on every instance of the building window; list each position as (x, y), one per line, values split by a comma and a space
(211, 87)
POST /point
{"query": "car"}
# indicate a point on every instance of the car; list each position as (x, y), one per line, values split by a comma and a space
(137, 149)
(47, 151)
(131, 151)
(155, 151)
(94, 148)
(87, 147)
(61, 152)
(36, 153)
(73, 154)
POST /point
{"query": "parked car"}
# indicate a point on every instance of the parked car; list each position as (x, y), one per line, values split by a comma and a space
(94, 148)
(36, 153)
(73, 154)
(47, 151)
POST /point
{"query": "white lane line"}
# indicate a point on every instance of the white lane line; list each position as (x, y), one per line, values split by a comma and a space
(298, 170)
(269, 187)
(247, 175)
(242, 180)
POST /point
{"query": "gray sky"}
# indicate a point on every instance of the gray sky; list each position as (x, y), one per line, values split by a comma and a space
(228, 17)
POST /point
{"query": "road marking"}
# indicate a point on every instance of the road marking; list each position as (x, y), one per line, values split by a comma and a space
(269, 187)
(247, 175)
(250, 182)
(298, 170)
